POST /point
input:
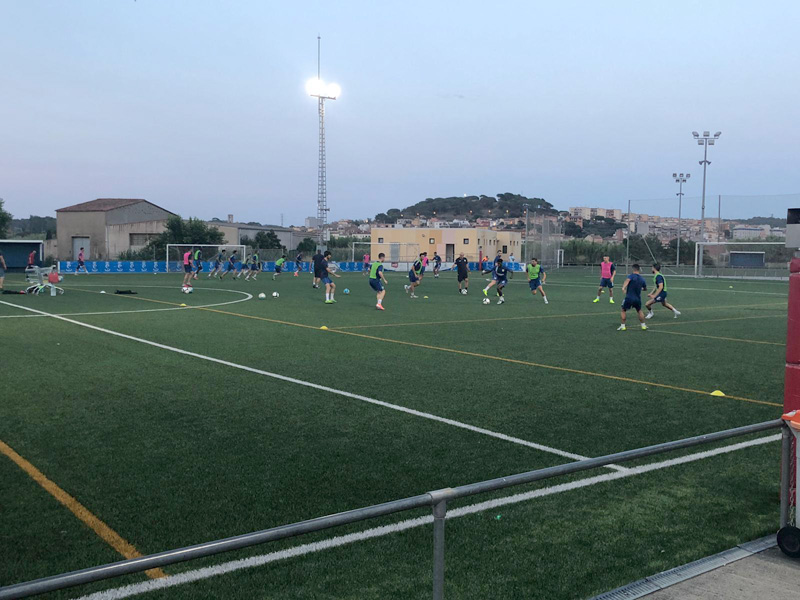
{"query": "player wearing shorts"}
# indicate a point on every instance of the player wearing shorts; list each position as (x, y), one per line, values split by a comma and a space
(424, 265)
(365, 265)
(607, 272)
(81, 263)
(536, 278)
(499, 279)
(198, 264)
(218, 262)
(325, 277)
(278, 266)
(187, 268)
(437, 264)
(316, 262)
(659, 294)
(462, 270)
(415, 276)
(255, 267)
(633, 287)
(298, 264)
(231, 265)
(377, 281)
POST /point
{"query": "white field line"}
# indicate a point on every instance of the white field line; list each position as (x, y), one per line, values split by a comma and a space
(343, 540)
(142, 310)
(324, 388)
(685, 289)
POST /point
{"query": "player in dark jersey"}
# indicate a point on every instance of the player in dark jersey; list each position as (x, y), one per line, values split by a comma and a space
(633, 287)
(499, 278)
(231, 265)
(462, 270)
(316, 261)
(437, 264)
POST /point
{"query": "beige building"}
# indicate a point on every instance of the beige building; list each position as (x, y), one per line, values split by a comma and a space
(403, 245)
(107, 226)
(585, 212)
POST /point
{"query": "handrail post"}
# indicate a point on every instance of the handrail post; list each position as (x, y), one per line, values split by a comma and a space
(786, 475)
(439, 502)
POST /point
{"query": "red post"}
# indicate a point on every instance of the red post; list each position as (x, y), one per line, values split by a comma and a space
(791, 397)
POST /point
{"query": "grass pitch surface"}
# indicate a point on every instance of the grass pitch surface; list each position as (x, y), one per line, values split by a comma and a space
(169, 449)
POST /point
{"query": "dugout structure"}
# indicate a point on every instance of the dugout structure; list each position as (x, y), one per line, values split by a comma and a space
(742, 260)
(15, 253)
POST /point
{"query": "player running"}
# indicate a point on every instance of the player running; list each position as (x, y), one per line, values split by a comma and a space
(298, 264)
(377, 281)
(187, 269)
(278, 266)
(218, 262)
(231, 266)
(633, 287)
(198, 264)
(499, 278)
(659, 294)
(255, 267)
(325, 277)
(415, 276)
(536, 278)
(607, 272)
(365, 265)
(424, 265)
(437, 264)
(462, 268)
(81, 263)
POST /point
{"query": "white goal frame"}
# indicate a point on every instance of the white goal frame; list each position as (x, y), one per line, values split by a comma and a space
(240, 247)
(699, 251)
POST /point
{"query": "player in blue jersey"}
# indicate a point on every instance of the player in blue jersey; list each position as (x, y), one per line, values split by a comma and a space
(216, 269)
(437, 264)
(499, 279)
(231, 265)
(325, 273)
(415, 275)
(633, 287)
(377, 281)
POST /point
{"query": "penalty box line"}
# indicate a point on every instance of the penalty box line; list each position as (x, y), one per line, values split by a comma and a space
(413, 523)
(323, 388)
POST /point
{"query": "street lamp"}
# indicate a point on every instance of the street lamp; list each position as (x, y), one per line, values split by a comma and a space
(317, 88)
(706, 140)
(680, 179)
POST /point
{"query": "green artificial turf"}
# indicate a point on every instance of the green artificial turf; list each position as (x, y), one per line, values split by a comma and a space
(170, 449)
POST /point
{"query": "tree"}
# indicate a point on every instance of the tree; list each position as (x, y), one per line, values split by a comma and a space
(5, 221)
(268, 239)
(573, 230)
(177, 231)
(307, 245)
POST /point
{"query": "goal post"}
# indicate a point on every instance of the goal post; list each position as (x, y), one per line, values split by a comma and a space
(741, 259)
(208, 253)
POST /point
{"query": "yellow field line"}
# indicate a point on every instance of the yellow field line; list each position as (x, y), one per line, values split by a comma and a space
(592, 314)
(486, 356)
(108, 535)
(716, 337)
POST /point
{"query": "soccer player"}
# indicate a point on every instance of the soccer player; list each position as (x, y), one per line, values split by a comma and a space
(536, 278)
(659, 294)
(424, 265)
(633, 287)
(3, 268)
(437, 264)
(198, 264)
(81, 263)
(298, 264)
(217, 264)
(187, 268)
(316, 261)
(255, 267)
(415, 276)
(325, 277)
(365, 266)
(377, 281)
(607, 272)
(231, 266)
(462, 268)
(278, 266)
(499, 278)
(32, 259)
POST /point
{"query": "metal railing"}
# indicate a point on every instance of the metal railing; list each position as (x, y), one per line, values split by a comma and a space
(437, 500)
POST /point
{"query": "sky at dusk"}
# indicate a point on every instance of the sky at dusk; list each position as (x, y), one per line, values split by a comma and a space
(199, 106)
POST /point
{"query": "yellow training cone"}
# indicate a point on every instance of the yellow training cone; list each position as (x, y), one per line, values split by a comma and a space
(323, 327)
(183, 305)
(717, 393)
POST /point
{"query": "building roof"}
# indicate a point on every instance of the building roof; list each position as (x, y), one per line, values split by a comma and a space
(239, 225)
(104, 205)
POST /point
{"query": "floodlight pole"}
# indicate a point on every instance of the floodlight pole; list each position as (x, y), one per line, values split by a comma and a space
(628, 245)
(680, 179)
(525, 246)
(704, 141)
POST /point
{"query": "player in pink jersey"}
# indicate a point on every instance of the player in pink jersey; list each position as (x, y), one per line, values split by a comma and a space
(607, 272)
(187, 268)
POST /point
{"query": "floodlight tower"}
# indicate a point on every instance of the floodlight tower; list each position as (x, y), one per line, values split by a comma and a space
(704, 141)
(322, 91)
(680, 179)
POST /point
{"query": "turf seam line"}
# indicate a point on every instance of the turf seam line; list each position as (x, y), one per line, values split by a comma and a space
(375, 532)
(99, 527)
(396, 407)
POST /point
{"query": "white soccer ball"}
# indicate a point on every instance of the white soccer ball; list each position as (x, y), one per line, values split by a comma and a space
(486, 301)
(464, 291)
(188, 290)
(276, 295)
(261, 296)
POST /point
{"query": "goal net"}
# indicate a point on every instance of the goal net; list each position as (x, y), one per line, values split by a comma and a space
(395, 252)
(208, 254)
(742, 260)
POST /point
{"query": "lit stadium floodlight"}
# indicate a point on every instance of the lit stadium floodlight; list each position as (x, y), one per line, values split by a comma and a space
(705, 141)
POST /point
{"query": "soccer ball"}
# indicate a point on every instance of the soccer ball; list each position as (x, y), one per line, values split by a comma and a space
(346, 291)
(188, 290)
(464, 291)
(275, 295)
(486, 301)
(261, 296)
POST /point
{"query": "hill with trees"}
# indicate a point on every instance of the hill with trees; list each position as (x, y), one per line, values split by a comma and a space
(771, 221)
(470, 208)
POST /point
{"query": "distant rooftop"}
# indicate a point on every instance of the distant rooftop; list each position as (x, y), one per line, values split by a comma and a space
(103, 205)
